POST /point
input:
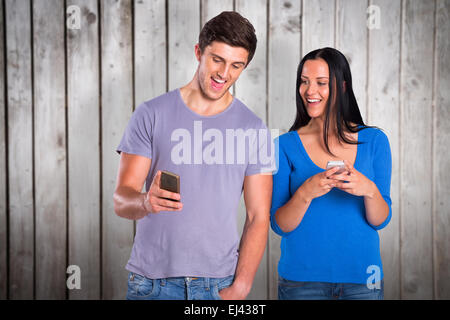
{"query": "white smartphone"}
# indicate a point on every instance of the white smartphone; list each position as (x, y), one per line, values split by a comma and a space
(339, 163)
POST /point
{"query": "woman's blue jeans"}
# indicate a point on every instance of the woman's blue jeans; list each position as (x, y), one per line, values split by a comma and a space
(299, 290)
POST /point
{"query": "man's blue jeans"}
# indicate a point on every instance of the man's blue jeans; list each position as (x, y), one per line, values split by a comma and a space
(298, 290)
(181, 288)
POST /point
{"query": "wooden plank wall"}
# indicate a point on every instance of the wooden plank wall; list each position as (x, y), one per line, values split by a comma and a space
(67, 94)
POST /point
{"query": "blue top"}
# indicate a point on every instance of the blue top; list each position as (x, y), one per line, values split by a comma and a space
(334, 242)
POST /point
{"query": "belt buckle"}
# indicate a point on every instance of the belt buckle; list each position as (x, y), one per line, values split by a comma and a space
(191, 278)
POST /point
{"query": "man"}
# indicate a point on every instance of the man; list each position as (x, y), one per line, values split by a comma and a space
(186, 244)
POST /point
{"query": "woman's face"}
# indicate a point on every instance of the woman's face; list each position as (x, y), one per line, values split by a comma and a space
(314, 89)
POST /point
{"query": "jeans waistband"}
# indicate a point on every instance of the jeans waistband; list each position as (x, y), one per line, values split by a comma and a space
(195, 281)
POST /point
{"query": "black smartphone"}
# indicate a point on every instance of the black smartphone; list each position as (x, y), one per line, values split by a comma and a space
(170, 182)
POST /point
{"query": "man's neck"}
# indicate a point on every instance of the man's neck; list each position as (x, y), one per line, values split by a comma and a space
(194, 98)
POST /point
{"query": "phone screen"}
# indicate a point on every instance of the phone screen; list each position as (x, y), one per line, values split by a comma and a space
(340, 164)
(170, 182)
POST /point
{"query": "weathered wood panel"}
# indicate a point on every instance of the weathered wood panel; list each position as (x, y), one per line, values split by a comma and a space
(283, 41)
(3, 170)
(251, 86)
(49, 148)
(117, 106)
(416, 151)
(441, 155)
(182, 16)
(20, 149)
(149, 49)
(400, 77)
(351, 40)
(384, 112)
(251, 90)
(318, 25)
(211, 8)
(83, 98)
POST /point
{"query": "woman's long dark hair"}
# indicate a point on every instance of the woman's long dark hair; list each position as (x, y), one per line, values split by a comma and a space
(346, 110)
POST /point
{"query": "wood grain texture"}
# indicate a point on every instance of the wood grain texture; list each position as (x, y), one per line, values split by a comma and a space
(49, 148)
(416, 134)
(3, 170)
(117, 106)
(400, 70)
(183, 16)
(351, 40)
(211, 8)
(251, 86)
(441, 154)
(384, 112)
(283, 41)
(149, 49)
(20, 149)
(250, 89)
(318, 25)
(83, 147)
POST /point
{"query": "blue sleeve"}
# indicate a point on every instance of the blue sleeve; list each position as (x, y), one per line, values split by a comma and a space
(281, 193)
(137, 138)
(382, 165)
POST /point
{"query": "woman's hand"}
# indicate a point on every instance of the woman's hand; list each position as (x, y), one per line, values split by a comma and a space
(357, 184)
(318, 185)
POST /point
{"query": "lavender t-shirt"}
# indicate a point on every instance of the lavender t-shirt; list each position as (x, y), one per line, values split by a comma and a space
(212, 155)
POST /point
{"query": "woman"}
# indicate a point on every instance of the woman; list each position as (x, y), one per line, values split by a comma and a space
(328, 221)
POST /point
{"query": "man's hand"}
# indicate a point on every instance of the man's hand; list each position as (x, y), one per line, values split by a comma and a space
(234, 292)
(257, 198)
(129, 201)
(154, 201)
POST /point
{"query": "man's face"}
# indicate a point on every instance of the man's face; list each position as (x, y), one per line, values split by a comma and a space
(220, 66)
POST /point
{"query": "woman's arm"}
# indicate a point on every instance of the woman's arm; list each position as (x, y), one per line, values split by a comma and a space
(377, 210)
(288, 210)
(289, 216)
(376, 193)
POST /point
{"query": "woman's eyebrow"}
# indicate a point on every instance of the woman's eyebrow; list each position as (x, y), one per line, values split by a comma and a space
(316, 78)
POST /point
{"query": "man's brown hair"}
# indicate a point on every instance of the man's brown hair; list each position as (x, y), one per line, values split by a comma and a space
(231, 28)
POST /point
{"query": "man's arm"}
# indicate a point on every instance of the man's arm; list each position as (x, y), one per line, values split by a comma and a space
(129, 201)
(257, 197)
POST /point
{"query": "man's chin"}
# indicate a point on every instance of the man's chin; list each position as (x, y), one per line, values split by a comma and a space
(215, 95)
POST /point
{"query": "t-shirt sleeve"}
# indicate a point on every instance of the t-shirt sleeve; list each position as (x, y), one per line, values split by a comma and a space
(138, 136)
(382, 165)
(261, 152)
(281, 192)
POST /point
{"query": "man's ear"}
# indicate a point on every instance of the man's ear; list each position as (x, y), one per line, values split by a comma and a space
(198, 52)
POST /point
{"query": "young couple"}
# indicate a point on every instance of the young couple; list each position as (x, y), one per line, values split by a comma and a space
(187, 245)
